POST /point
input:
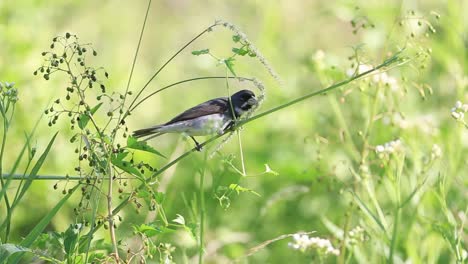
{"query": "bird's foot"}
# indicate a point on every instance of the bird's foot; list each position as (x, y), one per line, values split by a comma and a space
(198, 147)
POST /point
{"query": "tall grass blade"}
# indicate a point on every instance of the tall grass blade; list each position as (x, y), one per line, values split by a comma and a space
(37, 230)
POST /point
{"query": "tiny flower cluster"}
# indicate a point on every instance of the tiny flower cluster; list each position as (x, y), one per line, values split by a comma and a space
(357, 235)
(436, 152)
(388, 148)
(459, 110)
(303, 243)
(8, 91)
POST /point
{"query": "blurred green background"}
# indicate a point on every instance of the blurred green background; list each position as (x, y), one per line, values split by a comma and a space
(308, 144)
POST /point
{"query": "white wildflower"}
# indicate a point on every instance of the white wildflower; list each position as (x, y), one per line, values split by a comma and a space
(464, 108)
(304, 242)
(356, 235)
(391, 147)
(436, 152)
(379, 149)
(459, 110)
(319, 55)
(457, 115)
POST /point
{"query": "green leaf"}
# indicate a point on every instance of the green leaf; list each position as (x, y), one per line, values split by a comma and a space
(5, 186)
(368, 211)
(37, 230)
(32, 175)
(200, 52)
(193, 228)
(239, 189)
(84, 118)
(7, 250)
(236, 38)
(150, 230)
(133, 143)
(240, 52)
(142, 194)
(71, 238)
(159, 197)
(117, 160)
(230, 65)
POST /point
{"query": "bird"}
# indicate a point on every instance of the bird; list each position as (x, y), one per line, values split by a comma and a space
(213, 116)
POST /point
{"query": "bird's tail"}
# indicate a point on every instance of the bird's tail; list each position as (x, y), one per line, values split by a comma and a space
(147, 132)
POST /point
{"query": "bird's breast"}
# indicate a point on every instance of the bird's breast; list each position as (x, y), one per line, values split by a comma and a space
(200, 126)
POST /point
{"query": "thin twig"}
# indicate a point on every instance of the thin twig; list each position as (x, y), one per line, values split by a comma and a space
(208, 29)
(264, 244)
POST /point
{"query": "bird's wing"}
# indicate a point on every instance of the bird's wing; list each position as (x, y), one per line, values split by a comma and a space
(214, 106)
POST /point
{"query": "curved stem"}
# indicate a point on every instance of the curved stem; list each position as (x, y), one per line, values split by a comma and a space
(168, 61)
(110, 217)
(202, 211)
(184, 81)
(135, 58)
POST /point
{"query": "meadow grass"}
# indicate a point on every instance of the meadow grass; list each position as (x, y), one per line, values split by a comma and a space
(368, 169)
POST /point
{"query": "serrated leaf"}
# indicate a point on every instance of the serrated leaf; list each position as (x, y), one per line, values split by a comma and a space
(239, 189)
(117, 160)
(200, 52)
(84, 119)
(241, 52)
(133, 143)
(230, 65)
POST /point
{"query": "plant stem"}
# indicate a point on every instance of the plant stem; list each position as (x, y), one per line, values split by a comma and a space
(394, 235)
(167, 62)
(110, 217)
(52, 177)
(386, 63)
(348, 215)
(184, 81)
(202, 210)
(133, 68)
(3, 185)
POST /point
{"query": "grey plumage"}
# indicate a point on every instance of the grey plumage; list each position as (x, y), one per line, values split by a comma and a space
(210, 117)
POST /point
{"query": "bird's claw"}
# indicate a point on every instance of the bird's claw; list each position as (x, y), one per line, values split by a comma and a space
(199, 147)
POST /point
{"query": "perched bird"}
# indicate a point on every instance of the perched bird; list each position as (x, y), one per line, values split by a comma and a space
(213, 116)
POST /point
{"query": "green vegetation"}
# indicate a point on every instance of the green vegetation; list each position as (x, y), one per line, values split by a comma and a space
(356, 153)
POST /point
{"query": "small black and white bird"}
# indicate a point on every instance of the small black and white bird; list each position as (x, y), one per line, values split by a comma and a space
(210, 117)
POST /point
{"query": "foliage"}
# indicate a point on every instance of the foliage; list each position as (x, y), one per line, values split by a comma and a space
(368, 169)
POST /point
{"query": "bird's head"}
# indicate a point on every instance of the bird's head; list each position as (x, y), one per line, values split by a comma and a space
(243, 101)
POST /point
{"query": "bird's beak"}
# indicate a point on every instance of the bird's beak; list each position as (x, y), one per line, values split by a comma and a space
(252, 101)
